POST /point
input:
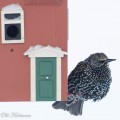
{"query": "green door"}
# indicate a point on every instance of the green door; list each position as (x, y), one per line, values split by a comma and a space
(45, 79)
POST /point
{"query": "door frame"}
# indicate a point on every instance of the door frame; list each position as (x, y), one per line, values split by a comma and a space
(33, 79)
(45, 51)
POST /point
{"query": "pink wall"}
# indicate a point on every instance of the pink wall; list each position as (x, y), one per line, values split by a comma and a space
(43, 25)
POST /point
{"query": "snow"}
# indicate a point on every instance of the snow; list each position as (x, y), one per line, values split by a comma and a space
(33, 48)
(12, 7)
(40, 47)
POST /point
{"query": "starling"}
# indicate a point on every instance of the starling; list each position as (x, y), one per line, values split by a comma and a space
(90, 80)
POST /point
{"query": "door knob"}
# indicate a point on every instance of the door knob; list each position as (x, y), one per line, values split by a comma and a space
(47, 77)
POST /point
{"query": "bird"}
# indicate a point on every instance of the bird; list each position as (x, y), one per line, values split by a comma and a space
(89, 80)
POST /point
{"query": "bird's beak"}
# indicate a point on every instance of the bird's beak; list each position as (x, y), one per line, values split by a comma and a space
(110, 60)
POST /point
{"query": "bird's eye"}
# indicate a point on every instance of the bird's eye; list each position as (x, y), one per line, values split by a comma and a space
(101, 61)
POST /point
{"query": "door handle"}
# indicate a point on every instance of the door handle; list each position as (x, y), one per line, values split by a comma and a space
(47, 77)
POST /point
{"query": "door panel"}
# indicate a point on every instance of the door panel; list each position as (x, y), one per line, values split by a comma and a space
(49, 93)
(46, 68)
(45, 79)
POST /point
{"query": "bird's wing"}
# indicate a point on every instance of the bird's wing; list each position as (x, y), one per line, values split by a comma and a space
(79, 77)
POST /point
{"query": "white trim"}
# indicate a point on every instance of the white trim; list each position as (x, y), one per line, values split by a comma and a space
(33, 79)
(14, 21)
(2, 26)
(58, 77)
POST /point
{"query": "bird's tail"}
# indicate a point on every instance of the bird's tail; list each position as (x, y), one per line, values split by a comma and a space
(73, 105)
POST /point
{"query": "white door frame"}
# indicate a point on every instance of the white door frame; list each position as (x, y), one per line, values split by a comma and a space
(33, 78)
(44, 51)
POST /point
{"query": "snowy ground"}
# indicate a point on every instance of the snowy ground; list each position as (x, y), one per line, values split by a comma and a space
(94, 26)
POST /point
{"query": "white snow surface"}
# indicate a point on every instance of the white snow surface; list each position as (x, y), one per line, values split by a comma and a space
(12, 7)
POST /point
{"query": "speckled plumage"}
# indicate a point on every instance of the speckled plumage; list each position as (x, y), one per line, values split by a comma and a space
(90, 83)
(90, 80)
